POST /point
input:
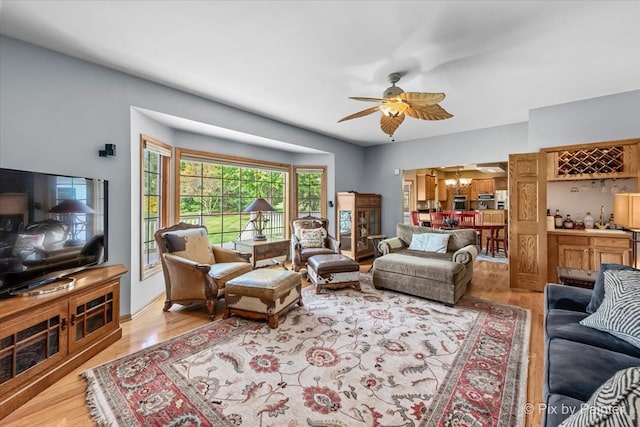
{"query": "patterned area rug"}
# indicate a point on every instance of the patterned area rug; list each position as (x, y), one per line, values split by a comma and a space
(347, 358)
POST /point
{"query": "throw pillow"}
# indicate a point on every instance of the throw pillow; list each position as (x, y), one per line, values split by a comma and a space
(619, 313)
(192, 244)
(614, 403)
(430, 242)
(26, 243)
(312, 237)
(598, 288)
(394, 243)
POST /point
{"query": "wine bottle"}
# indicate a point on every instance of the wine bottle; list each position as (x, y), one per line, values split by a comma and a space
(558, 219)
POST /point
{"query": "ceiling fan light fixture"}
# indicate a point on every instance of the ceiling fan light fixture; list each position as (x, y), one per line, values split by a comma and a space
(396, 103)
(393, 108)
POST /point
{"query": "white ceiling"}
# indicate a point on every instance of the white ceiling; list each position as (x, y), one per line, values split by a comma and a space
(298, 62)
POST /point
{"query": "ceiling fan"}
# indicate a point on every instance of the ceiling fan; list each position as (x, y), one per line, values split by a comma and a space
(396, 103)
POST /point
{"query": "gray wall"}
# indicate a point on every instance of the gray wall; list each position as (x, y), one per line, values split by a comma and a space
(606, 118)
(56, 111)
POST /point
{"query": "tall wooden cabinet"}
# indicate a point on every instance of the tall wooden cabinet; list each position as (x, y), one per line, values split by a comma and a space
(358, 218)
(44, 337)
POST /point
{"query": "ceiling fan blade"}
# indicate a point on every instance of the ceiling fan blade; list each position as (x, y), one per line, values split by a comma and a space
(360, 98)
(429, 112)
(390, 124)
(420, 99)
(361, 113)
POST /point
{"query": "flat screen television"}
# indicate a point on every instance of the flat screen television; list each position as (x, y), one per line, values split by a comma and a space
(50, 226)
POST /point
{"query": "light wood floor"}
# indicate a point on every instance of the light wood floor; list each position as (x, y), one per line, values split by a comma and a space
(63, 404)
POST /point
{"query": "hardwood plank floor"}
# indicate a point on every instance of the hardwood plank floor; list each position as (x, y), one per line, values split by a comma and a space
(63, 404)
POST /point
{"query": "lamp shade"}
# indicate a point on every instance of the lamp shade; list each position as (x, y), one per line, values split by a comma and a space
(68, 206)
(259, 205)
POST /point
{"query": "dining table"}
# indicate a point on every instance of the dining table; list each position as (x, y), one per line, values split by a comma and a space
(494, 229)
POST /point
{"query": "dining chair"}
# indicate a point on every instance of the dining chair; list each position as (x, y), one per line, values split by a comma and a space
(437, 219)
(502, 237)
(415, 218)
(465, 219)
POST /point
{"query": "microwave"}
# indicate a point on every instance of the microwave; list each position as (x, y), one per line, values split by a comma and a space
(486, 197)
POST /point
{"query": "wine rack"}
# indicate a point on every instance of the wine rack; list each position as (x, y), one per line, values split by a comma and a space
(594, 160)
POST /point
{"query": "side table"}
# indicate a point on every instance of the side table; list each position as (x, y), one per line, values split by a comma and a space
(375, 239)
(265, 249)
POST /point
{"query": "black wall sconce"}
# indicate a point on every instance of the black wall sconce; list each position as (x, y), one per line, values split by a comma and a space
(330, 203)
(109, 150)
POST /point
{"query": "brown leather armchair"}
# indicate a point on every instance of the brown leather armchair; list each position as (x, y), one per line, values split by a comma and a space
(303, 245)
(194, 271)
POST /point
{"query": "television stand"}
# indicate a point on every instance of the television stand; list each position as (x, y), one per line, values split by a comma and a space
(48, 335)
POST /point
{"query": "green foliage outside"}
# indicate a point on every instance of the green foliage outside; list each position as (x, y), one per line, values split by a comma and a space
(217, 195)
(309, 193)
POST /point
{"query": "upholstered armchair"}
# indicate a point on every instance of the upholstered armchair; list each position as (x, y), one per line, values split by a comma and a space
(194, 270)
(309, 236)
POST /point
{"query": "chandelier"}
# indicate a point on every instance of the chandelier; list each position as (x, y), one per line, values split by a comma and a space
(458, 182)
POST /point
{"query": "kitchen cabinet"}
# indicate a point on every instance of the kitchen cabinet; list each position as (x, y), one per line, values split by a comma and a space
(358, 218)
(586, 250)
(501, 183)
(481, 186)
(573, 252)
(46, 336)
(611, 251)
(473, 190)
(430, 187)
(425, 187)
(627, 209)
(442, 191)
(487, 186)
(497, 216)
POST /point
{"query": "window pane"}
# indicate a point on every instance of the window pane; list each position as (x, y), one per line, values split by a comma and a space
(190, 185)
(310, 193)
(153, 214)
(223, 194)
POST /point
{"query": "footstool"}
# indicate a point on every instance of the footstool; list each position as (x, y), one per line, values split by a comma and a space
(262, 294)
(333, 271)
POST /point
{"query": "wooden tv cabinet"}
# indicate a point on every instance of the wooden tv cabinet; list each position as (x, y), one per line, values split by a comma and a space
(44, 337)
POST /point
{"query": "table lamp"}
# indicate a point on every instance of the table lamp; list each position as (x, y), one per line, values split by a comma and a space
(259, 205)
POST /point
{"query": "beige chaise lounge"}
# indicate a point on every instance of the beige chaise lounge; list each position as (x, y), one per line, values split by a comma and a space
(438, 276)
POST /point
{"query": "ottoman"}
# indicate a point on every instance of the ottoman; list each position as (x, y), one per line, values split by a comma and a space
(333, 271)
(262, 294)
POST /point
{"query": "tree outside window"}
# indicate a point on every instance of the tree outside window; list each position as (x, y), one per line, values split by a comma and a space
(155, 170)
(310, 191)
(214, 192)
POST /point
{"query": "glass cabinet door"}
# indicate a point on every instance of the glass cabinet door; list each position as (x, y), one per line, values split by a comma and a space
(345, 229)
(362, 231)
(374, 221)
(32, 344)
(92, 315)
